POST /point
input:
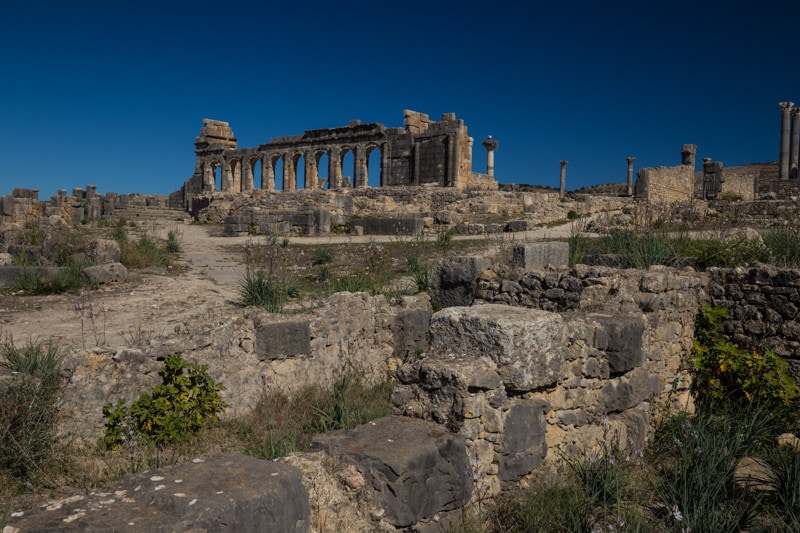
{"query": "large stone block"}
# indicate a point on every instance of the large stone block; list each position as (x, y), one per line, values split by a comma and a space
(629, 390)
(280, 340)
(538, 255)
(7, 205)
(453, 282)
(226, 492)
(104, 251)
(412, 331)
(8, 274)
(528, 345)
(390, 226)
(523, 446)
(416, 469)
(105, 273)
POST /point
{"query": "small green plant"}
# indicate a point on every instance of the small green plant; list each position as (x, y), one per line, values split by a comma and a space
(172, 245)
(783, 245)
(33, 282)
(186, 400)
(573, 215)
(722, 370)
(445, 238)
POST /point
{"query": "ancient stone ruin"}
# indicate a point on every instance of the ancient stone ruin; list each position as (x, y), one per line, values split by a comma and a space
(423, 152)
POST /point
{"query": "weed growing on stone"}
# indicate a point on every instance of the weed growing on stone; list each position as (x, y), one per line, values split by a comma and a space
(92, 317)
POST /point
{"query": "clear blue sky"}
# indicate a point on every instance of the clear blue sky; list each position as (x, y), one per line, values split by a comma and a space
(114, 93)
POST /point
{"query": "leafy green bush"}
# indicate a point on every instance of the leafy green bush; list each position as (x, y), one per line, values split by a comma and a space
(183, 403)
(29, 406)
(722, 370)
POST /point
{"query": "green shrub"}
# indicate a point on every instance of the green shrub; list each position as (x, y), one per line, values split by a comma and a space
(182, 404)
(146, 251)
(31, 282)
(172, 245)
(29, 406)
(642, 250)
(445, 238)
(783, 245)
(722, 370)
(259, 290)
(724, 252)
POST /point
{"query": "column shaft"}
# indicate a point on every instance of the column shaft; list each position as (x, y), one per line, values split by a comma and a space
(783, 164)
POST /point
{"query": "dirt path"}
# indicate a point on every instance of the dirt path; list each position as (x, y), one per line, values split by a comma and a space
(154, 303)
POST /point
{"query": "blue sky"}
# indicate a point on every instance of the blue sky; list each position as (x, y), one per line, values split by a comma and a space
(114, 93)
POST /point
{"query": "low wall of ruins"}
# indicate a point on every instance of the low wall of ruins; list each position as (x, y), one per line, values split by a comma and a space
(83, 205)
(665, 184)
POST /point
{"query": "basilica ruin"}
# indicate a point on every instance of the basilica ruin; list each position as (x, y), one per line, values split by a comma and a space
(423, 152)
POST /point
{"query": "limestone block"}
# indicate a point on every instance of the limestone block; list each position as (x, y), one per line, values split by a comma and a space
(523, 445)
(538, 255)
(411, 326)
(6, 259)
(280, 340)
(453, 283)
(9, 273)
(416, 469)
(105, 273)
(391, 226)
(517, 225)
(527, 345)
(7, 205)
(231, 492)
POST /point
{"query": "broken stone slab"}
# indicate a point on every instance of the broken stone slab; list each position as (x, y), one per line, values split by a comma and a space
(415, 468)
(105, 273)
(621, 338)
(453, 283)
(226, 492)
(104, 251)
(629, 390)
(391, 226)
(540, 255)
(528, 345)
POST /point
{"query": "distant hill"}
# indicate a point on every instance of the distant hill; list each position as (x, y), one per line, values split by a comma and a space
(606, 189)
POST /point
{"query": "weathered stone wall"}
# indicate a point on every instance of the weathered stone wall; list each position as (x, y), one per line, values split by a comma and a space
(741, 185)
(526, 387)
(250, 350)
(665, 184)
(763, 308)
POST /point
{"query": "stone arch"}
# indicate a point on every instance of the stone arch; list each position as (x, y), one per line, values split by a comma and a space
(254, 171)
(298, 164)
(212, 174)
(275, 164)
(322, 160)
(374, 167)
(347, 165)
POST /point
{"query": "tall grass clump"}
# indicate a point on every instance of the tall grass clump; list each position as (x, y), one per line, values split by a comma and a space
(29, 402)
(642, 250)
(33, 282)
(257, 289)
(783, 245)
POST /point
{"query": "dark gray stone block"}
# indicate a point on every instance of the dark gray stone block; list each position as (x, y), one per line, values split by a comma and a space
(523, 444)
(416, 468)
(621, 339)
(453, 282)
(538, 255)
(390, 226)
(412, 331)
(280, 340)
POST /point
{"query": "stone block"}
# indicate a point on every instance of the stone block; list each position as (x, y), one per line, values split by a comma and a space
(416, 469)
(226, 492)
(391, 226)
(538, 255)
(621, 338)
(453, 283)
(322, 221)
(411, 328)
(104, 251)
(10, 273)
(517, 225)
(629, 390)
(523, 445)
(279, 340)
(527, 345)
(105, 273)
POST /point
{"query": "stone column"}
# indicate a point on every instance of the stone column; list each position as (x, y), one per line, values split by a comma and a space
(360, 178)
(562, 188)
(267, 174)
(288, 172)
(794, 145)
(247, 176)
(208, 177)
(630, 161)
(490, 145)
(334, 169)
(688, 153)
(310, 171)
(783, 166)
(227, 178)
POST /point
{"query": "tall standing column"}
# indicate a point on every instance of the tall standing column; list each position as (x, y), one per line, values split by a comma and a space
(288, 172)
(360, 178)
(247, 176)
(786, 108)
(630, 161)
(310, 171)
(490, 145)
(267, 173)
(562, 189)
(794, 147)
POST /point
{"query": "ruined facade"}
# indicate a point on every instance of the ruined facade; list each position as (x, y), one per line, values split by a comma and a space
(421, 153)
(668, 184)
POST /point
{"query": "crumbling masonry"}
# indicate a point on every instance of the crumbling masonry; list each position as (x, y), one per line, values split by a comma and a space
(424, 152)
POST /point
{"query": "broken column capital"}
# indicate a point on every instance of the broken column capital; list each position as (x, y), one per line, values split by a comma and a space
(786, 106)
(630, 159)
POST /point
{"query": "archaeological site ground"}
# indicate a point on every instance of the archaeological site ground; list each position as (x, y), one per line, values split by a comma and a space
(403, 345)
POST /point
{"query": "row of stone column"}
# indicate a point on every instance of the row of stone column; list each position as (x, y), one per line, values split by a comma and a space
(790, 141)
(239, 175)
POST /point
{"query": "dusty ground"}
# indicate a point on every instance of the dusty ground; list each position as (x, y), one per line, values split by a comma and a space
(153, 303)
